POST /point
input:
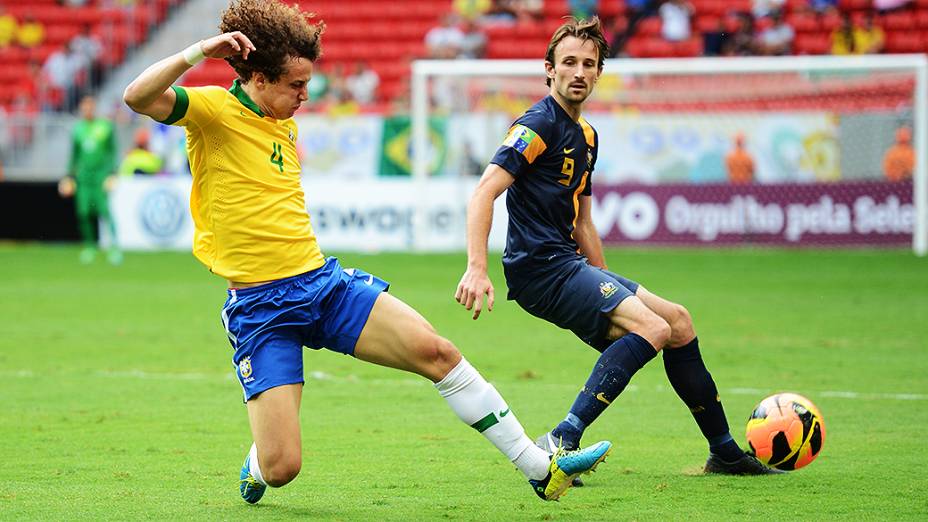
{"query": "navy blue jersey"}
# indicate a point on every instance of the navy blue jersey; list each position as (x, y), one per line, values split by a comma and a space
(551, 158)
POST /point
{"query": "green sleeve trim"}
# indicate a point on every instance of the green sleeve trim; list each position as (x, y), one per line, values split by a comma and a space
(180, 106)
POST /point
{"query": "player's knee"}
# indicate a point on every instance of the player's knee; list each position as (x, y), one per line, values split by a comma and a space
(436, 356)
(282, 470)
(657, 331)
(681, 325)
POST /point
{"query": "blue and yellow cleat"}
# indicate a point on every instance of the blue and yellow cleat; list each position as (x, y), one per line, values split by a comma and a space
(251, 489)
(567, 465)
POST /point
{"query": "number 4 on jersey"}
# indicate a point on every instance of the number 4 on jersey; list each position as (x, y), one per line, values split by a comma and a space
(277, 157)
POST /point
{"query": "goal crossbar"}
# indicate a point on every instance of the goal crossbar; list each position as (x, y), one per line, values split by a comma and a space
(917, 64)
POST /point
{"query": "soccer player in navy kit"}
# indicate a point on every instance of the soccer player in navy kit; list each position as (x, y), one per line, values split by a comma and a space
(554, 263)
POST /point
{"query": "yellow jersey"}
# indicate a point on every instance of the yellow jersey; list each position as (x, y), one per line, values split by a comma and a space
(249, 210)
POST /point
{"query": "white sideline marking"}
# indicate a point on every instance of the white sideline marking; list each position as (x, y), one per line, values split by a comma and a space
(326, 377)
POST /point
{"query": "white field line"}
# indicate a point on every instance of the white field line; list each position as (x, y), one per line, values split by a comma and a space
(353, 379)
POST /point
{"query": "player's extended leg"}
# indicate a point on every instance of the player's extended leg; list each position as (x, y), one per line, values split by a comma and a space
(639, 334)
(397, 336)
(275, 457)
(693, 383)
(114, 256)
(83, 207)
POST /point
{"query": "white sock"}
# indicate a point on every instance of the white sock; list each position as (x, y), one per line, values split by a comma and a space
(253, 465)
(479, 405)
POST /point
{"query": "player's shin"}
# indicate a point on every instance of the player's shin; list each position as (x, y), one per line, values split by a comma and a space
(694, 385)
(477, 403)
(615, 367)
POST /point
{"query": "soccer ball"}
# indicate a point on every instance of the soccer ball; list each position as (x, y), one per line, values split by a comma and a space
(786, 431)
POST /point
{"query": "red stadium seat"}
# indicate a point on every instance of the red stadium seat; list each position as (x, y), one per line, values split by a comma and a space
(650, 27)
(921, 18)
(854, 5)
(905, 42)
(812, 44)
(804, 22)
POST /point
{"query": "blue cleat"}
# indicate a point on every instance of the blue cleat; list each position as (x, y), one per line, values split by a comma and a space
(548, 443)
(567, 465)
(251, 489)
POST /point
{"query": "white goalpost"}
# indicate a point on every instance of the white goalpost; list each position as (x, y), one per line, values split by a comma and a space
(817, 126)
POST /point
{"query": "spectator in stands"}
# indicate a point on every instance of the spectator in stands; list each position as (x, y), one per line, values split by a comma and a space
(899, 160)
(140, 160)
(739, 164)
(615, 35)
(583, 9)
(743, 41)
(474, 41)
(714, 41)
(500, 12)
(319, 84)
(362, 84)
(470, 9)
(31, 32)
(778, 38)
(8, 28)
(850, 39)
(338, 88)
(89, 48)
(22, 114)
(444, 41)
(762, 8)
(888, 6)
(62, 69)
(5, 138)
(869, 38)
(638, 10)
(675, 20)
(823, 6)
(529, 10)
(842, 37)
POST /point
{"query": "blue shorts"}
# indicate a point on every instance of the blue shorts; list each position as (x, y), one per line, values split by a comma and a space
(268, 325)
(576, 296)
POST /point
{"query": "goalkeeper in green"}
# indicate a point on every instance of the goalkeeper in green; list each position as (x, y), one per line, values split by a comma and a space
(92, 164)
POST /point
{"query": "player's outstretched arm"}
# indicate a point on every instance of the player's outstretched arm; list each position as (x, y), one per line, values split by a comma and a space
(150, 92)
(475, 283)
(586, 235)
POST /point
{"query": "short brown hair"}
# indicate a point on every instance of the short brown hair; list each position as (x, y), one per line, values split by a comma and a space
(591, 29)
(279, 32)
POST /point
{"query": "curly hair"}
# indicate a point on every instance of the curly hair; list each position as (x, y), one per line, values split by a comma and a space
(279, 32)
(591, 29)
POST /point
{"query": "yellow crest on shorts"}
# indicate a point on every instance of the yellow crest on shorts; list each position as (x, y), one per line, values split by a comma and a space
(244, 367)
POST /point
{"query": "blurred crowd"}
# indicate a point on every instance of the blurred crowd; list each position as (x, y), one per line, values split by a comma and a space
(762, 30)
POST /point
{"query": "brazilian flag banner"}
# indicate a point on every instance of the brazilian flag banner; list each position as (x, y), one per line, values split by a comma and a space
(396, 149)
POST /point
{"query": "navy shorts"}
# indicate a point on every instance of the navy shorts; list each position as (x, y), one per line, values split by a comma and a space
(576, 296)
(268, 325)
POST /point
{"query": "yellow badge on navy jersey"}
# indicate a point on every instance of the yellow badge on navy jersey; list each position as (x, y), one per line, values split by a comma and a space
(607, 288)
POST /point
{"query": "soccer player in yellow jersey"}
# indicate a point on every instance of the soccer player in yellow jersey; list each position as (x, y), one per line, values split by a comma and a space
(252, 229)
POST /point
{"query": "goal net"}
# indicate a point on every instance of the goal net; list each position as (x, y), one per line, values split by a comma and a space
(810, 151)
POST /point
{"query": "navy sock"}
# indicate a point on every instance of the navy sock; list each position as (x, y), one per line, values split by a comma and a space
(694, 385)
(611, 374)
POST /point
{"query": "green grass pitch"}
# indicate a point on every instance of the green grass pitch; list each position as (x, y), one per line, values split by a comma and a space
(119, 400)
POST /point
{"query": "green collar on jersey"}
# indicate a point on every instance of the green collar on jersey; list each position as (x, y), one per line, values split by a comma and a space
(243, 97)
